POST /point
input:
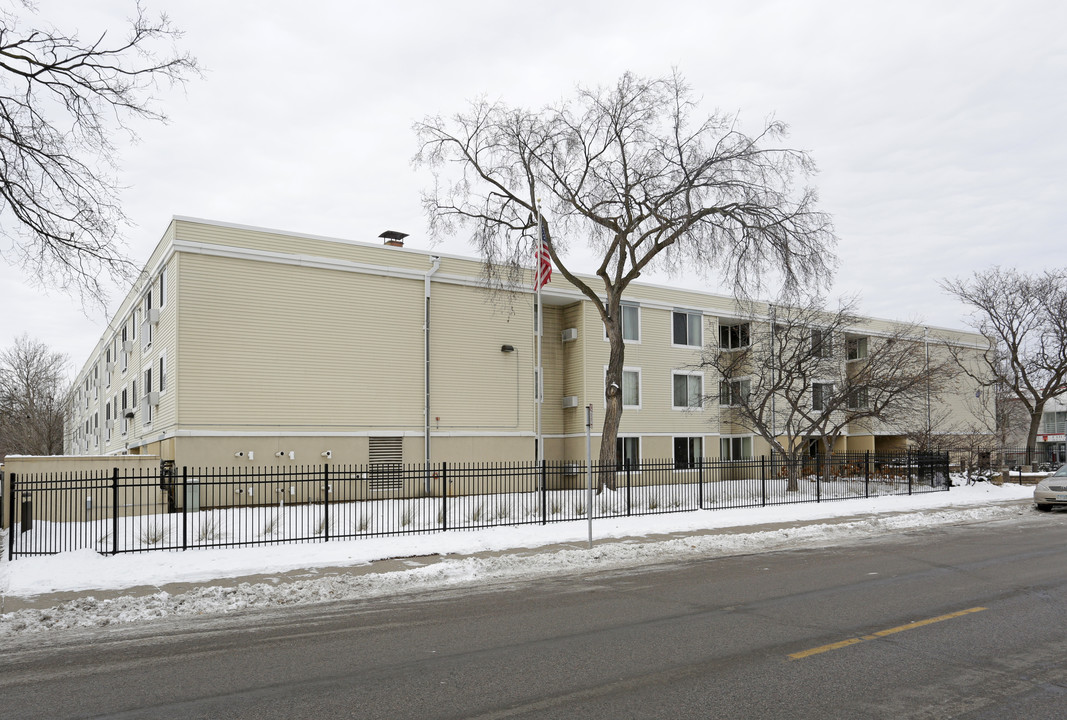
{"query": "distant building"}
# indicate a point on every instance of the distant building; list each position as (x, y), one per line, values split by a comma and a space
(242, 345)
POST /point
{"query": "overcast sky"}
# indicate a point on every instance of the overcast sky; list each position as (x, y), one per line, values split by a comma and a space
(936, 126)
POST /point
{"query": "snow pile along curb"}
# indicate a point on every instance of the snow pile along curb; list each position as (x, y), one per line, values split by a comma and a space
(460, 572)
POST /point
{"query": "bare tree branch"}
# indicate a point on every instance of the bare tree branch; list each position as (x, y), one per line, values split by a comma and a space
(33, 397)
(61, 101)
(810, 373)
(1024, 319)
(625, 171)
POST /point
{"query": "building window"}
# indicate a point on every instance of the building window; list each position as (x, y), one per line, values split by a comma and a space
(733, 337)
(733, 393)
(146, 331)
(147, 396)
(162, 372)
(688, 390)
(821, 343)
(821, 394)
(686, 328)
(124, 422)
(162, 287)
(856, 348)
(857, 399)
(687, 452)
(631, 388)
(631, 323)
(125, 355)
(736, 448)
(627, 452)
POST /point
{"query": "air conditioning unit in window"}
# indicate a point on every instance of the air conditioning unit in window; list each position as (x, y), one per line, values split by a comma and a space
(127, 346)
(570, 334)
(152, 398)
(127, 412)
(152, 316)
(570, 401)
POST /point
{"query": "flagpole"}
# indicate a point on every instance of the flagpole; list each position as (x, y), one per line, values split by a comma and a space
(540, 314)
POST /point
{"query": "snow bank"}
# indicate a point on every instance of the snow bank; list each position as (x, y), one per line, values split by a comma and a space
(85, 570)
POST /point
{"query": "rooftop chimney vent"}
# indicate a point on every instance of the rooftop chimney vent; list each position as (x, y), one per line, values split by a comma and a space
(393, 238)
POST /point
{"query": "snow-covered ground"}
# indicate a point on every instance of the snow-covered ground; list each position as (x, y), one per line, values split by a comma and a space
(463, 560)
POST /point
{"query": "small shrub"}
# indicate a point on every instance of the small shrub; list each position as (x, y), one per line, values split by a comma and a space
(405, 518)
(362, 524)
(209, 530)
(151, 534)
(270, 527)
(608, 506)
(476, 513)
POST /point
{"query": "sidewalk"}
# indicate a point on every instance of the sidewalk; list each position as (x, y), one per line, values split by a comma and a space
(11, 603)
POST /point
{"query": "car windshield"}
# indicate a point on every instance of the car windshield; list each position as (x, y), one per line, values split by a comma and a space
(1062, 472)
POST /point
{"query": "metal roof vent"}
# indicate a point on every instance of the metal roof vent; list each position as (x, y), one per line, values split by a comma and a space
(393, 238)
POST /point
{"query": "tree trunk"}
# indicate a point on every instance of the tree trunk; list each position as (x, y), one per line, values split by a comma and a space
(613, 397)
(794, 466)
(1031, 436)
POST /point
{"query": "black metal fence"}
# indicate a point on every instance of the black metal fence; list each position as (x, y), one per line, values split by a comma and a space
(994, 458)
(116, 512)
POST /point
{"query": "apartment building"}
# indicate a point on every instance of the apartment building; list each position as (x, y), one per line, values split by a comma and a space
(244, 345)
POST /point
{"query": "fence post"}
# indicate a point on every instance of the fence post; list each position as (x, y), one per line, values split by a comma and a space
(907, 468)
(185, 508)
(544, 492)
(700, 479)
(628, 503)
(444, 496)
(115, 512)
(866, 473)
(818, 478)
(326, 500)
(11, 518)
(763, 480)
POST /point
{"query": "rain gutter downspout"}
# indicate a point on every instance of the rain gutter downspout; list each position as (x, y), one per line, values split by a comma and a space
(426, 357)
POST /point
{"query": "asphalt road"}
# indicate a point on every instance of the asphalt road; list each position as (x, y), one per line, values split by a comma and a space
(959, 621)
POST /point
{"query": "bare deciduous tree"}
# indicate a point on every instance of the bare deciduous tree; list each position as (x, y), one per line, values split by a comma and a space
(628, 172)
(32, 399)
(808, 372)
(1024, 319)
(61, 101)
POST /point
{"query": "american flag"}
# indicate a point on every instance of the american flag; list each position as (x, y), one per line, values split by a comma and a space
(544, 260)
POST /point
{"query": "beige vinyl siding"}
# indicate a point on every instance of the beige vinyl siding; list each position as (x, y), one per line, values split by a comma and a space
(267, 345)
(555, 378)
(657, 360)
(299, 248)
(474, 385)
(573, 363)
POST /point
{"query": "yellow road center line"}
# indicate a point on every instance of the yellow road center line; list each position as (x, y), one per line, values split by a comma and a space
(882, 633)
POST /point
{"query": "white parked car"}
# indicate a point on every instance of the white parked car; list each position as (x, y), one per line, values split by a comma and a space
(1052, 490)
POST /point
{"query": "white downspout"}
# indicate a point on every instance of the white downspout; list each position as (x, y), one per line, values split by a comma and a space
(426, 357)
